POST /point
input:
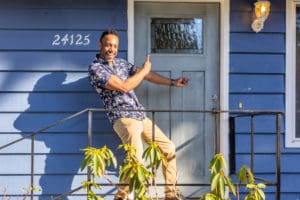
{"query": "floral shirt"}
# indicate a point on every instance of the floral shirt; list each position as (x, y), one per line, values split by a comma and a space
(100, 72)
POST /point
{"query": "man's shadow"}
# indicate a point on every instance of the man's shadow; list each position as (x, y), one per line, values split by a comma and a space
(58, 164)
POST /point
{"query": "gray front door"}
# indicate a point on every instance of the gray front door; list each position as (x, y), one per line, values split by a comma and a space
(183, 40)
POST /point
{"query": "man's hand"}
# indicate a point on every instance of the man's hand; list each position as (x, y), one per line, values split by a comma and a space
(181, 82)
(147, 64)
(115, 83)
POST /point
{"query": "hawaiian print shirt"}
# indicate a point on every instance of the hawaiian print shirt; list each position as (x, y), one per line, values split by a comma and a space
(100, 72)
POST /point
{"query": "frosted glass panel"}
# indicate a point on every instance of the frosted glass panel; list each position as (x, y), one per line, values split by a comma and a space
(176, 35)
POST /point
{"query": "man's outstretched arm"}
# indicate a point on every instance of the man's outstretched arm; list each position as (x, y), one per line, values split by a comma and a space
(158, 79)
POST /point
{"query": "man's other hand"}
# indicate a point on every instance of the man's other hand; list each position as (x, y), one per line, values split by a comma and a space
(181, 82)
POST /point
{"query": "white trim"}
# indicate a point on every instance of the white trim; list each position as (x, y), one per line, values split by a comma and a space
(290, 93)
(130, 35)
(224, 77)
(224, 60)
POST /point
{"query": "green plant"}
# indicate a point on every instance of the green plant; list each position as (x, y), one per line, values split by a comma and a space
(131, 170)
(155, 157)
(246, 177)
(97, 160)
(135, 173)
(139, 176)
(220, 181)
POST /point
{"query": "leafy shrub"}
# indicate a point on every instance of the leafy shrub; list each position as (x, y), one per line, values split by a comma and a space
(220, 182)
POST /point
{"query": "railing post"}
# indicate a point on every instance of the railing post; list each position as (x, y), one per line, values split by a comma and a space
(278, 137)
(153, 126)
(32, 168)
(90, 124)
(252, 143)
(216, 135)
(89, 143)
(232, 144)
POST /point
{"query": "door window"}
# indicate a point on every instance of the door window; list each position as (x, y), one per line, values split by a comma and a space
(176, 35)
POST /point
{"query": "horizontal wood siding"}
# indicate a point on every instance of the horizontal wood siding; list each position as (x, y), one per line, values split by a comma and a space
(257, 80)
(46, 47)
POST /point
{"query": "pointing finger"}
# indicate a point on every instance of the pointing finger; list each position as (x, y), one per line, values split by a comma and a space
(147, 58)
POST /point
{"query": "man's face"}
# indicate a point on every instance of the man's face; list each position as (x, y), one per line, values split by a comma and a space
(109, 47)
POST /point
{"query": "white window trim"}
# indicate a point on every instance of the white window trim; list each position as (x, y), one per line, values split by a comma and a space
(224, 60)
(290, 93)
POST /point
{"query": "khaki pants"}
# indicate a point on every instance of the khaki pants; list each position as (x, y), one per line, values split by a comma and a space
(134, 132)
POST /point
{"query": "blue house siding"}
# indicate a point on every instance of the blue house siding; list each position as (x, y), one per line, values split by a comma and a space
(46, 47)
(257, 74)
(43, 79)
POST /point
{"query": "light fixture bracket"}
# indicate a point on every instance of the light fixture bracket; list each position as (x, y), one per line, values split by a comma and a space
(262, 11)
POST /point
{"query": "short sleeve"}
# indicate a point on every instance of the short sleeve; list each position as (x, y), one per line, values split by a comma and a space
(132, 69)
(99, 76)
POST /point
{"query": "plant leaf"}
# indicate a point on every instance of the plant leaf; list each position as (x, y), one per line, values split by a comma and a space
(250, 186)
(261, 185)
(230, 185)
(261, 194)
(222, 187)
(214, 182)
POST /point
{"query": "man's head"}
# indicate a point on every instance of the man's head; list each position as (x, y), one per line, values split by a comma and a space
(109, 44)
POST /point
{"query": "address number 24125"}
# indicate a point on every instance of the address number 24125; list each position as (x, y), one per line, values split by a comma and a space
(71, 39)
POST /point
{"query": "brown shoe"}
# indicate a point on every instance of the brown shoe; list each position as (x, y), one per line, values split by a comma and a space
(174, 195)
(118, 198)
(122, 193)
(175, 198)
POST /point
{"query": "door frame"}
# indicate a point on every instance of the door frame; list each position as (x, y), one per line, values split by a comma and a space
(224, 60)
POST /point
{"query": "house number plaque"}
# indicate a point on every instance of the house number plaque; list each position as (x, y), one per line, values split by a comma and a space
(71, 40)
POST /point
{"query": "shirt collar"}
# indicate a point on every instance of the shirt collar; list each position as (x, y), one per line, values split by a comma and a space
(101, 60)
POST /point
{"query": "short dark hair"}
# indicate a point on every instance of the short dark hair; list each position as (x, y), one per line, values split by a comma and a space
(108, 32)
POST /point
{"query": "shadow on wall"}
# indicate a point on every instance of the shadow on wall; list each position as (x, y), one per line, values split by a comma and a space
(58, 157)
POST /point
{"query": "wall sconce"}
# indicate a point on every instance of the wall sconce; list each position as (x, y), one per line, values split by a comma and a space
(262, 11)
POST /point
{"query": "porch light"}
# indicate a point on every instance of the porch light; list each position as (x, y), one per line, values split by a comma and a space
(262, 11)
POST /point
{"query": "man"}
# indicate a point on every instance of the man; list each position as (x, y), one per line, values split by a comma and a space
(114, 80)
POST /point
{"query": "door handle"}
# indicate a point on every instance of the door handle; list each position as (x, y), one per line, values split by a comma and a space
(214, 99)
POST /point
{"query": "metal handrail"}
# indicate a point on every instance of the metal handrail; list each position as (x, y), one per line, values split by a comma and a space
(235, 113)
(45, 128)
(244, 112)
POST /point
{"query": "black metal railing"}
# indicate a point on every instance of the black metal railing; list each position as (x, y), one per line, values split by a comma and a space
(252, 114)
(218, 115)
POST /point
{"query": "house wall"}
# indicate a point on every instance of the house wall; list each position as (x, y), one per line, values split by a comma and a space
(43, 78)
(42, 81)
(257, 73)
